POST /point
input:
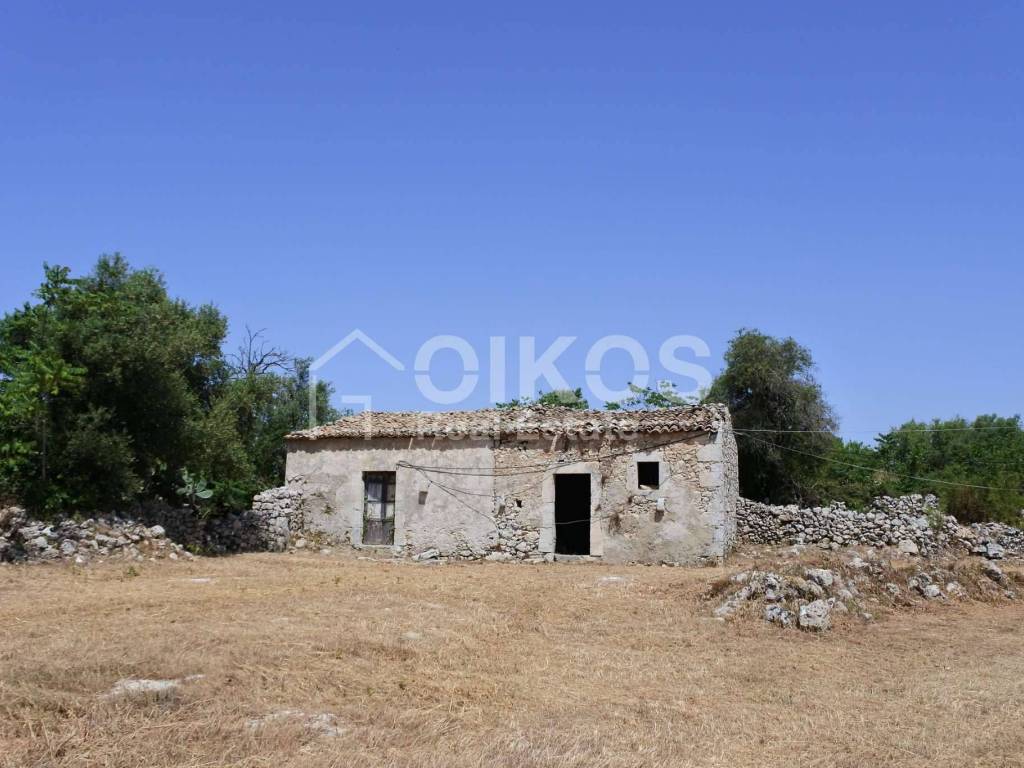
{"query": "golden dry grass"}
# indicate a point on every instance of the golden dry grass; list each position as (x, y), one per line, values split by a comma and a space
(508, 666)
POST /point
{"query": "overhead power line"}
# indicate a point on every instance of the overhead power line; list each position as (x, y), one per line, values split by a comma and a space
(452, 490)
(540, 467)
(875, 469)
(879, 431)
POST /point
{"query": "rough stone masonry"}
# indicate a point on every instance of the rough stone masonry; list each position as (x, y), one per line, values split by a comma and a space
(23, 539)
(914, 524)
(652, 486)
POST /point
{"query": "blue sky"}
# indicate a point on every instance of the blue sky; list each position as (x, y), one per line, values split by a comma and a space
(851, 176)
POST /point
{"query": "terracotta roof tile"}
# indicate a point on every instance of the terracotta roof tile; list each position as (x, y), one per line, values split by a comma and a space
(537, 419)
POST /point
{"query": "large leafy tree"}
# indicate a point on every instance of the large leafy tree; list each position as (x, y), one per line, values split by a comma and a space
(111, 391)
(107, 376)
(977, 466)
(851, 472)
(783, 421)
(266, 397)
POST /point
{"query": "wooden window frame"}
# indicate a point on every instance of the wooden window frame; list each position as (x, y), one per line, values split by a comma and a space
(386, 520)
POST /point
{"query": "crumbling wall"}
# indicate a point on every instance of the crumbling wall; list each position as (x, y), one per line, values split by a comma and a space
(444, 491)
(488, 497)
(912, 523)
(225, 533)
(24, 539)
(688, 518)
(278, 512)
(149, 530)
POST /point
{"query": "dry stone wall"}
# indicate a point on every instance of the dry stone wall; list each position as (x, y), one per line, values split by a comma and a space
(914, 524)
(149, 531)
(248, 531)
(23, 539)
(276, 513)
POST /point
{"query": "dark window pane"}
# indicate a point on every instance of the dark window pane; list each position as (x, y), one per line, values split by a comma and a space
(647, 474)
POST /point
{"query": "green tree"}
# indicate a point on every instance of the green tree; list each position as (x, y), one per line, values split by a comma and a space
(32, 379)
(783, 421)
(118, 371)
(646, 398)
(565, 398)
(976, 467)
(265, 398)
(851, 472)
(110, 389)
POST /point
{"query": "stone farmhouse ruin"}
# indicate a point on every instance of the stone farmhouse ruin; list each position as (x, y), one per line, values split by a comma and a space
(529, 483)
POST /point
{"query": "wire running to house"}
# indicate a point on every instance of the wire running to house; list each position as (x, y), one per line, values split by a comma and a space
(540, 468)
(909, 430)
(451, 491)
(518, 491)
(875, 469)
(464, 503)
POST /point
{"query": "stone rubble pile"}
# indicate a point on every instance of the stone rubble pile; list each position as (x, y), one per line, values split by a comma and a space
(913, 524)
(805, 601)
(997, 539)
(809, 598)
(95, 539)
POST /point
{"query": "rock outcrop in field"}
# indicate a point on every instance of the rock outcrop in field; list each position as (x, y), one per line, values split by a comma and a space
(810, 590)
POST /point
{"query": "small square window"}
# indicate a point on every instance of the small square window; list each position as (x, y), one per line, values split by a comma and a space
(647, 474)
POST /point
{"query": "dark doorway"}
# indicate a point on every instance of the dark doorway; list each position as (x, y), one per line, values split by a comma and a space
(572, 514)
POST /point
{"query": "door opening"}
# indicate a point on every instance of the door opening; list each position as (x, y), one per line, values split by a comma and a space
(572, 514)
(378, 508)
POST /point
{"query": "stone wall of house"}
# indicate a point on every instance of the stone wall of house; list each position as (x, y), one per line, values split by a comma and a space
(728, 495)
(493, 498)
(688, 518)
(521, 465)
(914, 524)
(429, 514)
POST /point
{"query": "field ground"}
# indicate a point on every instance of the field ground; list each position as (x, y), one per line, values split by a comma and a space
(483, 664)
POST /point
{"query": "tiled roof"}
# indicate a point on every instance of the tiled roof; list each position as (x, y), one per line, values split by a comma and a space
(537, 419)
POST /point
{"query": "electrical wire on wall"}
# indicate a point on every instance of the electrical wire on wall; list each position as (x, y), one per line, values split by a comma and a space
(533, 469)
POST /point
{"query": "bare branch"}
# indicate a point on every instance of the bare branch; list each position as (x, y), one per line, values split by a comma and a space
(255, 358)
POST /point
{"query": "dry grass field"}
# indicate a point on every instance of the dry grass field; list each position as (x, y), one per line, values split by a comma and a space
(482, 665)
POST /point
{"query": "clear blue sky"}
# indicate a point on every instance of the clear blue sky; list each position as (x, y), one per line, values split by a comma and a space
(848, 174)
